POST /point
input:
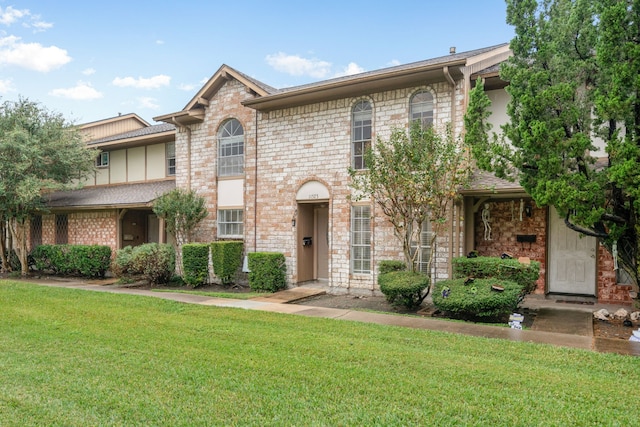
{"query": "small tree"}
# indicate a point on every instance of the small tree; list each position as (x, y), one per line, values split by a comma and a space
(40, 152)
(182, 211)
(414, 177)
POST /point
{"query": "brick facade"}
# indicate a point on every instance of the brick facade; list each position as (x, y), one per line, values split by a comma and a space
(295, 146)
(506, 225)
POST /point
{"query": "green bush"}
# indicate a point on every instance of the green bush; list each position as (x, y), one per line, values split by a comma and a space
(403, 288)
(267, 271)
(122, 262)
(387, 266)
(195, 264)
(154, 262)
(505, 269)
(80, 260)
(226, 258)
(476, 300)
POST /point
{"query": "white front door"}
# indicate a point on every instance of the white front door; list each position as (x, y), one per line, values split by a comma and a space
(572, 259)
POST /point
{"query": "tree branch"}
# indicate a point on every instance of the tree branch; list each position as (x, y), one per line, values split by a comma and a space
(585, 231)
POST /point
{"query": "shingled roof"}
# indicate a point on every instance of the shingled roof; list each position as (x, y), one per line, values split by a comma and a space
(125, 195)
(149, 130)
(486, 183)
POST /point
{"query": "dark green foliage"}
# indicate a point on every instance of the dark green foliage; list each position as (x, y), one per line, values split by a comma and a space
(226, 258)
(387, 266)
(268, 271)
(503, 269)
(80, 260)
(182, 210)
(476, 300)
(154, 262)
(195, 264)
(403, 288)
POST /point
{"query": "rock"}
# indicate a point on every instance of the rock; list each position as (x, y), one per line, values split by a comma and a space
(635, 316)
(621, 313)
(601, 314)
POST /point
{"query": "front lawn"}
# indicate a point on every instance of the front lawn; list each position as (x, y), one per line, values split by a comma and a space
(76, 358)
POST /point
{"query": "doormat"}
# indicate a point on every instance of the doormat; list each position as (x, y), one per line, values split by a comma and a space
(562, 301)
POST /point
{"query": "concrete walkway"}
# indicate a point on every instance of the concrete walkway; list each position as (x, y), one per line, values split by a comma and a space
(566, 326)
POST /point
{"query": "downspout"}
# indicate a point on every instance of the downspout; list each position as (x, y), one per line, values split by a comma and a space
(454, 243)
(255, 191)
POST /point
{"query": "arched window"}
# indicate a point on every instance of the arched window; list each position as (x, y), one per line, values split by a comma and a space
(360, 133)
(421, 108)
(230, 148)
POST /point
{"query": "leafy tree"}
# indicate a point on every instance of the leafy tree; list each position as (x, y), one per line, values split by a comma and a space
(573, 81)
(414, 177)
(40, 152)
(182, 210)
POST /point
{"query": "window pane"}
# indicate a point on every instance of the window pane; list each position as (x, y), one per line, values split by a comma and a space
(231, 149)
(361, 240)
(230, 223)
(360, 133)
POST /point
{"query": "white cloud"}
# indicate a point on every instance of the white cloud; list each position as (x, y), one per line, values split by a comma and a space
(148, 103)
(351, 69)
(187, 87)
(6, 86)
(32, 56)
(393, 63)
(298, 66)
(88, 71)
(159, 41)
(40, 26)
(10, 15)
(80, 92)
(143, 83)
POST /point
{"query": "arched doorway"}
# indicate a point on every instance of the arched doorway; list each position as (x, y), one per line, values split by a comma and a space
(312, 237)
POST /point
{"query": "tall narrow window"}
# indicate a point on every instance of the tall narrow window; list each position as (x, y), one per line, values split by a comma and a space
(421, 108)
(230, 223)
(230, 149)
(62, 229)
(360, 133)
(36, 231)
(422, 258)
(171, 158)
(360, 239)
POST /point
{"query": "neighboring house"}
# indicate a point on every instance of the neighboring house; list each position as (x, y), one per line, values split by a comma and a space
(571, 263)
(136, 164)
(273, 164)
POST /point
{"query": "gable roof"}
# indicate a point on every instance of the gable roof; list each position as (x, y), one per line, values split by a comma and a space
(193, 112)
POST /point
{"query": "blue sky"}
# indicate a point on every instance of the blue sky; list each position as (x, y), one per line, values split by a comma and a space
(91, 60)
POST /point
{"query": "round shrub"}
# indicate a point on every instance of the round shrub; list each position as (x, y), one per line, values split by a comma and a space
(477, 300)
(387, 266)
(403, 288)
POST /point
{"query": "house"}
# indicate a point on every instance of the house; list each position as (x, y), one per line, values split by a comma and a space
(571, 263)
(273, 164)
(136, 164)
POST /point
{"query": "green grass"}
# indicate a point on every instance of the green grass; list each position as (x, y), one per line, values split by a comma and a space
(233, 295)
(70, 357)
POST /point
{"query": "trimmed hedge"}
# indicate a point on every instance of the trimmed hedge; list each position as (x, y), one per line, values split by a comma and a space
(267, 271)
(403, 288)
(226, 257)
(79, 260)
(387, 266)
(506, 269)
(195, 264)
(476, 300)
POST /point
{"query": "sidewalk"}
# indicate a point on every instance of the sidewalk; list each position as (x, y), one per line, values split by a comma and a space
(561, 326)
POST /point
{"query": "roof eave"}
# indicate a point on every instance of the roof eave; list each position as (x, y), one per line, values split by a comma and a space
(357, 85)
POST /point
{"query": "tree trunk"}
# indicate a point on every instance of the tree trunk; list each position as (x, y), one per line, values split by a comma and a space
(4, 248)
(19, 234)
